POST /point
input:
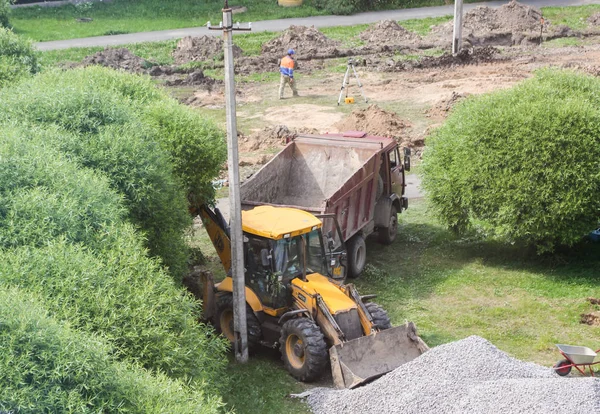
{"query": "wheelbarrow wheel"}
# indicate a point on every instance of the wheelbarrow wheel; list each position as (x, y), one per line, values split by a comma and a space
(563, 367)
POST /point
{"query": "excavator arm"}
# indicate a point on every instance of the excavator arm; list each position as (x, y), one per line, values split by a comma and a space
(218, 231)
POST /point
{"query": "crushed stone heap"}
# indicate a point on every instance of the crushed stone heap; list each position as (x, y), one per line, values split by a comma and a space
(467, 376)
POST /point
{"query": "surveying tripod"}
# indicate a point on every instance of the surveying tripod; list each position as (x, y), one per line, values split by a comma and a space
(345, 83)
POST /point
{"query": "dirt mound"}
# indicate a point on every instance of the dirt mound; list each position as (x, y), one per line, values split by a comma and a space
(388, 32)
(465, 56)
(193, 79)
(594, 19)
(510, 17)
(304, 40)
(266, 138)
(442, 107)
(376, 121)
(197, 49)
(117, 59)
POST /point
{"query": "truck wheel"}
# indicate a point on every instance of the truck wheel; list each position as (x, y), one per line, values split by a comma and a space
(303, 349)
(387, 235)
(357, 256)
(379, 315)
(224, 321)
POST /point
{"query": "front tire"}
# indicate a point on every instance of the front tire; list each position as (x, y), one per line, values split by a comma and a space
(357, 256)
(224, 322)
(562, 367)
(388, 234)
(379, 316)
(303, 349)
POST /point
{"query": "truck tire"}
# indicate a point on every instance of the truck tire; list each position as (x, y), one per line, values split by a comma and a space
(223, 322)
(379, 316)
(357, 256)
(387, 235)
(303, 349)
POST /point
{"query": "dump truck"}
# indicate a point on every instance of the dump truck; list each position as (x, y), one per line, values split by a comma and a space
(356, 177)
(296, 300)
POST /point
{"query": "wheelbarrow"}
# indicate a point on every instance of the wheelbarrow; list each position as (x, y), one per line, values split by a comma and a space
(579, 357)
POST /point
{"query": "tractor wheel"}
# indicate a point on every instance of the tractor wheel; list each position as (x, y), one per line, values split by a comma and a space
(357, 255)
(379, 315)
(562, 367)
(387, 235)
(303, 349)
(224, 321)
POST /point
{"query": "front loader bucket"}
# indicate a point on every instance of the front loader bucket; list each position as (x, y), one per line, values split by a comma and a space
(368, 357)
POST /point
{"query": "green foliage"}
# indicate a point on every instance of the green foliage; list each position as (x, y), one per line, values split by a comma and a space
(521, 163)
(4, 12)
(153, 150)
(17, 57)
(50, 368)
(62, 237)
(341, 6)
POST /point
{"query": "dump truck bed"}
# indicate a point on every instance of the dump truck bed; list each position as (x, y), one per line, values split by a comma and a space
(321, 174)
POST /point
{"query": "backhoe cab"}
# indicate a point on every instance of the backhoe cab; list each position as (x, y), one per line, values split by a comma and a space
(297, 299)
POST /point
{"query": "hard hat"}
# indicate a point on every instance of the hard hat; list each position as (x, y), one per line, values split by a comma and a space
(291, 52)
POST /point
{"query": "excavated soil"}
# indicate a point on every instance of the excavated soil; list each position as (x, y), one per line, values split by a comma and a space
(197, 49)
(444, 106)
(306, 41)
(376, 121)
(120, 58)
(594, 19)
(388, 32)
(266, 138)
(592, 318)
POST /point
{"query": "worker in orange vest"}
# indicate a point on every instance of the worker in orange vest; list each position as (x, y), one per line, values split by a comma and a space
(286, 68)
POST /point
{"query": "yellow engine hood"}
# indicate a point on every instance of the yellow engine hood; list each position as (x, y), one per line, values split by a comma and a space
(334, 298)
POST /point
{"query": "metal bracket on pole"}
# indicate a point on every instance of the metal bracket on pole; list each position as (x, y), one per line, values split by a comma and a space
(237, 243)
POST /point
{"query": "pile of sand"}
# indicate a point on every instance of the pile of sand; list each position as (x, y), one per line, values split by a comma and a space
(117, 59)
(197, 49)
(445, 105)
(388, 32)
(375, 121)
(304, 40)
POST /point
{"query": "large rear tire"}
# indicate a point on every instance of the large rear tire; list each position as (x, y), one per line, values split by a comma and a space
(387, 235)
(379, 316)
(303, 349)
(357, 256)
(224, 322)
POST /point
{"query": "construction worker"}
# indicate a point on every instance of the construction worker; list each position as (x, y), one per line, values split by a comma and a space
(286, 68)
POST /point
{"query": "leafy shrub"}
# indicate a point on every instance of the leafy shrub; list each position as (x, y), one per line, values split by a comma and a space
(522, 163)
(154, 151)
(17, 57)
(4, 12)
(62, 238)
(50, 368)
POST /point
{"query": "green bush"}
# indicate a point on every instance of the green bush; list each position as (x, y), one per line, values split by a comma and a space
(17, 57)
(62, 237)
(522, 164)
(154, 151)
(48, 367)
(4, 12)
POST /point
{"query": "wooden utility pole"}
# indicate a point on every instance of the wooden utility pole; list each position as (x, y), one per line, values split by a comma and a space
(457, 35)
(235, 221)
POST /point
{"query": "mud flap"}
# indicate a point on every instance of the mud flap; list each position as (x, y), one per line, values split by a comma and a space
(368, 357)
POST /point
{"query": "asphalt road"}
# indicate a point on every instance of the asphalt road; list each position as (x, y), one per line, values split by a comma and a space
(282, 24)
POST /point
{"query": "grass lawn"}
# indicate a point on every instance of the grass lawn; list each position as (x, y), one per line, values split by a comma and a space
(126, 16)
(452, 288)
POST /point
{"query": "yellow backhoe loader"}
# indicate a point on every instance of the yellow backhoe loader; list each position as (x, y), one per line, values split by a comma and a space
(297, 299)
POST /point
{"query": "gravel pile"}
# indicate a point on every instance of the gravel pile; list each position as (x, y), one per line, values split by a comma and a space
(467, 376)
